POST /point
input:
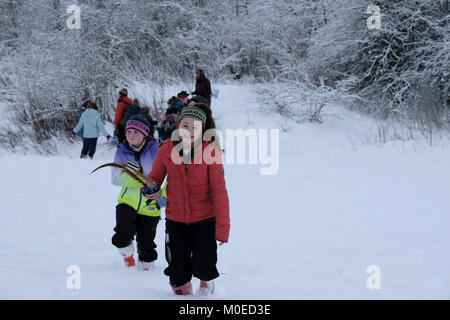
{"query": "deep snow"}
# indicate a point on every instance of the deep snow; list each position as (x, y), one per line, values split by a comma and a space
(335, 207)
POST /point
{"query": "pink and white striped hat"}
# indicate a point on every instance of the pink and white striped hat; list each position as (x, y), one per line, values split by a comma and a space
(139, 126)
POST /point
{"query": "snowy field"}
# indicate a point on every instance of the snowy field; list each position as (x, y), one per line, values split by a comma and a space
(335, 207)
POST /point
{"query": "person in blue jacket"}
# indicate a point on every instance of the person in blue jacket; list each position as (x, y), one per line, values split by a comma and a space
(85, 101)
(92, 125)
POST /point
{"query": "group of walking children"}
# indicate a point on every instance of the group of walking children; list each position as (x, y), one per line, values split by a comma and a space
(191, 173)
(202, 94)
(90, 125)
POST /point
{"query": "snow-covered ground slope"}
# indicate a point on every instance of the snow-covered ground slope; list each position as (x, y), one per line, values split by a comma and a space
(335, 207)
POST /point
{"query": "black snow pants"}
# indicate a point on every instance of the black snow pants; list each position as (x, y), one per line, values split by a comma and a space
(128, 224)
(191, 250)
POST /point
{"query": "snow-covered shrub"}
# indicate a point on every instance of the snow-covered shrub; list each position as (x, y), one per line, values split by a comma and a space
(300, 101)
(392, 68)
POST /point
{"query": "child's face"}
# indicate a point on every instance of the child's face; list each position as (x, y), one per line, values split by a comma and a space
(184, 100)
(134, 137)
(190, 129)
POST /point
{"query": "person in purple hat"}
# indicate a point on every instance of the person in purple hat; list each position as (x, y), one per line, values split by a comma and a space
(135, 214)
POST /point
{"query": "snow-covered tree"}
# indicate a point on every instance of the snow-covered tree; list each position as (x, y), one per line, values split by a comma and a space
(391, 68)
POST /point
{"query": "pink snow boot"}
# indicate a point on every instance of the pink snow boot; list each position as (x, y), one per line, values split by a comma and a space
(185, 289)
(145, 266)
(127, 255)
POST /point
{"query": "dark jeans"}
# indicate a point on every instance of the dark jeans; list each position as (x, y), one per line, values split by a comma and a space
(130, 223)
(89, 147)
(191, 250)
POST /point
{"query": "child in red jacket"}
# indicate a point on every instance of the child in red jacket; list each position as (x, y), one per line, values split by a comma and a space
(197, 207)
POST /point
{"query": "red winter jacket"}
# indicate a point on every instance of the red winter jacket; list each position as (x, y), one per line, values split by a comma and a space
(195, 191)
(121, 110)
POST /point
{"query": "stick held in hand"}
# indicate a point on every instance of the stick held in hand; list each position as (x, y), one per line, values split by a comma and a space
(138, 176)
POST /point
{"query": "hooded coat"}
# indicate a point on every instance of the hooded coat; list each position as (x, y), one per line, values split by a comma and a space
(130, 193)
(121, 110)
(196, 191)
(203, 88)
(91, 124)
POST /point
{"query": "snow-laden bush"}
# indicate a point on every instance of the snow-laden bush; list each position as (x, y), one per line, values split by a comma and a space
(299, 101)
(399, 70)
